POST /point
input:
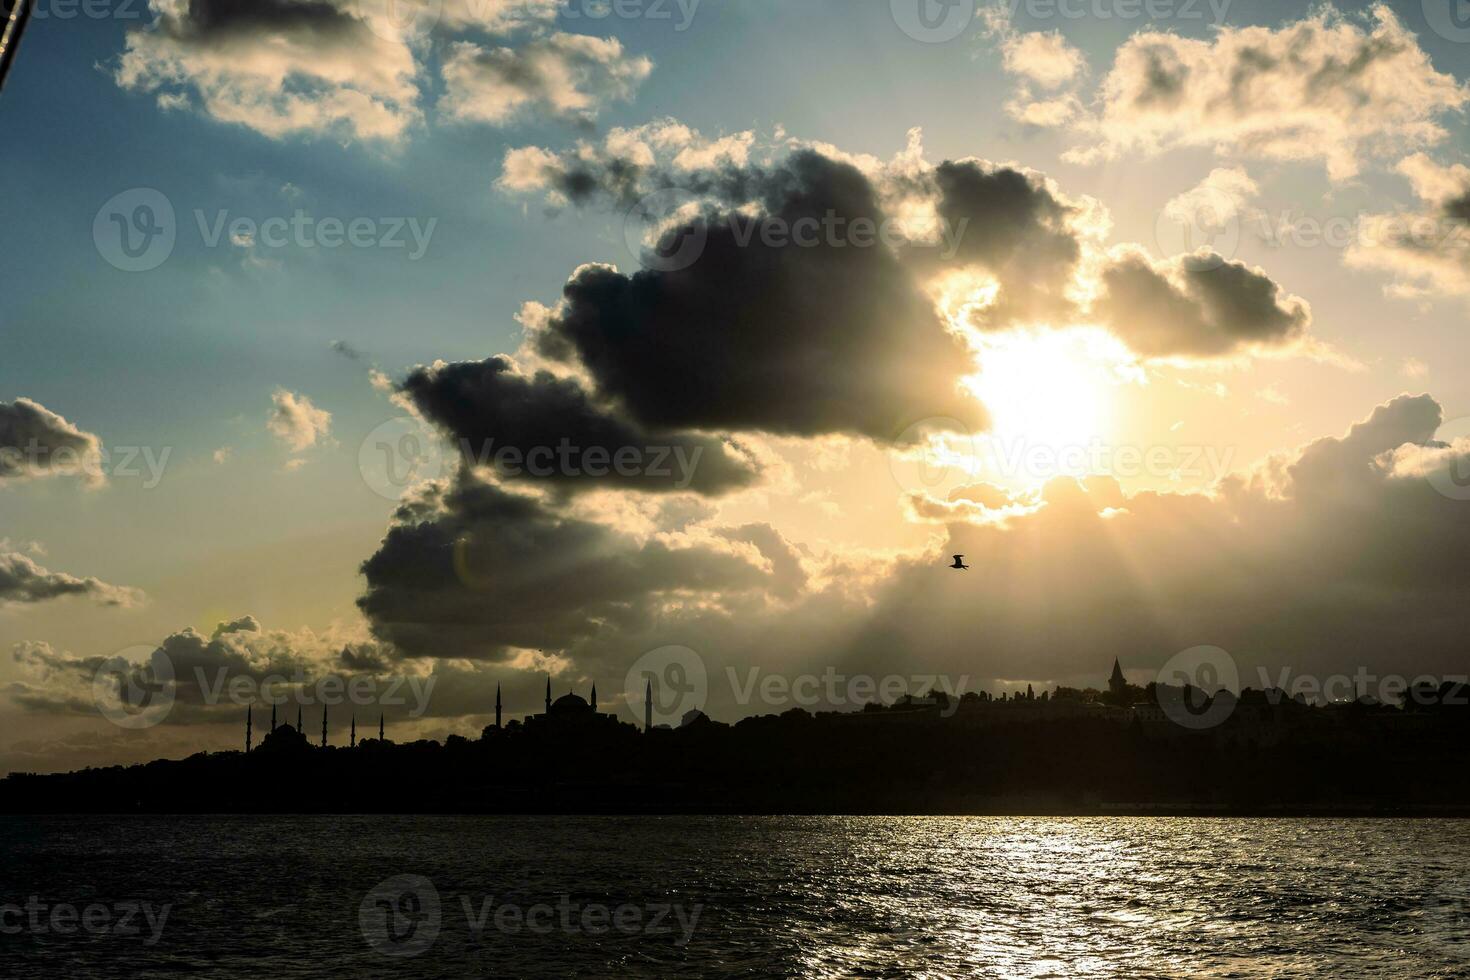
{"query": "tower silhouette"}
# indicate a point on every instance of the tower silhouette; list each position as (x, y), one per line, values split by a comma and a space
(249, 717)
(299, 726)
(324, 726)
(497, 705)
(380, 728)
(548, 694)
(353, 742)
(594, 697)
(648, 705)
(273, 716)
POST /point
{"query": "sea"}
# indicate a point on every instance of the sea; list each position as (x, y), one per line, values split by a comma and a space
(283, 897)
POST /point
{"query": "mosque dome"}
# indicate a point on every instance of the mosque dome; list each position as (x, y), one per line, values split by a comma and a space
(569, 704)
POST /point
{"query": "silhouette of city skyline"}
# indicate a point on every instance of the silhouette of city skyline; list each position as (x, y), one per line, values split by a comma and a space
(1129, 748)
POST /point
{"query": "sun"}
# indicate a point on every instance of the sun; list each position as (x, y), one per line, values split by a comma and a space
(1052, 397)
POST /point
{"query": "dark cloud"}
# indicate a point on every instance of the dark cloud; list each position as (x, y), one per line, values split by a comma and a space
(35, 441)
(555, 434)
(782, 339)
(1341, 554)
(1014, 227)
(1459, 208)
(22, 580)
(346, 350)
(472, 571)
(1197, 305)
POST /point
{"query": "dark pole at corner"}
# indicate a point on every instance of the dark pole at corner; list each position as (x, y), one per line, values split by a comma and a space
(17, 15)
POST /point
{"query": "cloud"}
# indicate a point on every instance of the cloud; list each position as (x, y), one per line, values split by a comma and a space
(1338, 554)
(23, 581)
(1197, 305)
(754, 336)
(279, 67)
(568, 76)
(296, 422)
(498, 16)
(557, 436)
(627, 164)
(1342, 552)
(1214, 202)
(1020, 230)
(359, 71)
(1321, 88)
(470, 570)
(210, 672)
(36, 442)
(1044, 58)
(346, 350)
(1048, 71)
(1428, 250)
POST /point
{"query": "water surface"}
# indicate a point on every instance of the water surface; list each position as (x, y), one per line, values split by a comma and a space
(288, 897)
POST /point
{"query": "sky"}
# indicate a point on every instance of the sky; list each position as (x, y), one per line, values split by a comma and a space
(1152, 310)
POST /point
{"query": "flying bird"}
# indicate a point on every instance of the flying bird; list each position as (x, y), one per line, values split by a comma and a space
(959, 563)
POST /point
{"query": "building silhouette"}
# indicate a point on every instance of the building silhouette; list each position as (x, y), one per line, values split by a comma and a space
(571, 712)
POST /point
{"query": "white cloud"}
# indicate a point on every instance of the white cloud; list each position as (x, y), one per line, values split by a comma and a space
(296, 421)
(1044, 58)
(571, 76)
(1427, 251)
(276, 66)
(1321, 88)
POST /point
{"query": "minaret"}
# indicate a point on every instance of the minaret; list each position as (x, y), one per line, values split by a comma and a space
(324, 726)
(249, 717)
(353, 742)
(299, 726)
(380, 729)
(497, 705)
(548, 694)
(594, 697)
(648, 706)
(273, 716)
